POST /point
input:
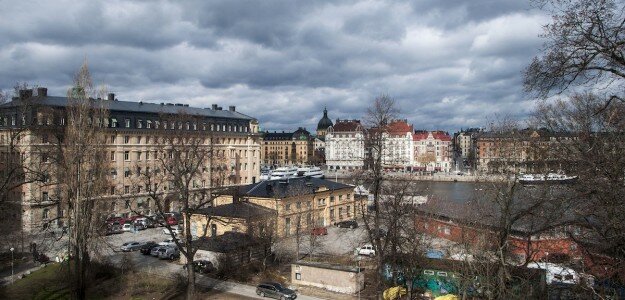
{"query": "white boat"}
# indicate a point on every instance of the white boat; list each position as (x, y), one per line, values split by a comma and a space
(312, 171)
(265, 174)
(546, 179)
(283, 173)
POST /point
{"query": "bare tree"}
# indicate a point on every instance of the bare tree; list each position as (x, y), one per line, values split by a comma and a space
(177, 176)
(82, 173)
(585, 46)
(594, 154)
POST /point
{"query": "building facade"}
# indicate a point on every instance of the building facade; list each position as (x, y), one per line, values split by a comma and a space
(345, 145)
(522, 151)
(134, 140)
(284, 148)
(432, 151)
(301, 204)
(397, 151)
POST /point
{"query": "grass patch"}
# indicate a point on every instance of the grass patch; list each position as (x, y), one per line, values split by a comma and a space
(46, 283)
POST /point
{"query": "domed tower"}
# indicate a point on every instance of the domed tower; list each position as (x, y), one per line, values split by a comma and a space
(324, 123)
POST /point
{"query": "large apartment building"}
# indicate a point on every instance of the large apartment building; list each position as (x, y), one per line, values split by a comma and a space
(287, 148)
(134, 133)
(345, 145)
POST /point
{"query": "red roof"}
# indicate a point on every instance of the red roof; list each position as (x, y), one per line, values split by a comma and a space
(437, 135)
(346, 125)
(399, 127)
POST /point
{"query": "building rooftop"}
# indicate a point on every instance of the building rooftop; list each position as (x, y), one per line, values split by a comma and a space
(282, 188)
(227, 242)
(237, 209)
(139, 107)
(347, 125)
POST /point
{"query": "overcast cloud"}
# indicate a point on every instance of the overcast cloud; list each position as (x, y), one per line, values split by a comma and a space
(449, 64)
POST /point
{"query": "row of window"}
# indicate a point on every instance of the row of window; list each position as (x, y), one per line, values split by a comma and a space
(127, 123)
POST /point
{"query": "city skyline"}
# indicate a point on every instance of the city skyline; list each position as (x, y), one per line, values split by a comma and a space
(449, 65)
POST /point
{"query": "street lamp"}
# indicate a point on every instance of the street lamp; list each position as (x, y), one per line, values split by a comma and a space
(12, 249)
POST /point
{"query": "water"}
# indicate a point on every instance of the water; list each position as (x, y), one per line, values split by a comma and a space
(454, 191)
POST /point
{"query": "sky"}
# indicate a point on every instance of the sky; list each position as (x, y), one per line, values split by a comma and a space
(448, 64)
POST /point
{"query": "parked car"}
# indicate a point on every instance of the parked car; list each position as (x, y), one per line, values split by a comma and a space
(275, 290)
(147, 223)
(114, 228)
(347, 224)
(170, 253)
(366, 249)
(154, 251)
(202, 266)
(131, 246)
(168, 242)
(319, 231)
(147, 247)
(174, 229)
(127, 227)
(139, 226)
(171, 221)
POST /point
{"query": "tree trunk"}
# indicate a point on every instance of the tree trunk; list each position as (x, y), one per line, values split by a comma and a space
(190, 280)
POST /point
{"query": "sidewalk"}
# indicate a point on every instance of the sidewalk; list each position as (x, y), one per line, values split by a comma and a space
(5, 275)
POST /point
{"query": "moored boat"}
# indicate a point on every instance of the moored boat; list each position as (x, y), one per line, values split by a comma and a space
(550, 178)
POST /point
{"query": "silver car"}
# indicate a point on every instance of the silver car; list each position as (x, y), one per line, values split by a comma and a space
(131, 246)
(170, 253)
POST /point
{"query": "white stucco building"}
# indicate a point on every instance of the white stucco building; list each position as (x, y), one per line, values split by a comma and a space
(345, 145)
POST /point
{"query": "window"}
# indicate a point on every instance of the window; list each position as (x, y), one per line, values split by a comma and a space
(139, 123)
(126, 155)
(139, 140)
(126, 189)
(287, 207)
(349, 211)
(127, 172)
(138, 155)
(147, 155)
(299, 204)
(126, 139)
(127, 123)
(112, 139)
(44, 196)
(127, 204)
(112, 192)
(331, 199)
(112, 155)
(340, 198)
(332, 214)
(44, 214)
(340, 213)
(428, 272)
(149, 124)
(298, 276)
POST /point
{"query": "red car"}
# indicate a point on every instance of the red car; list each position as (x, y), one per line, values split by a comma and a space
(319, 231)
(172, 221)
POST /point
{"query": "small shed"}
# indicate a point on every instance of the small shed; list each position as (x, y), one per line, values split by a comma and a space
(238, 247)
(332, 277)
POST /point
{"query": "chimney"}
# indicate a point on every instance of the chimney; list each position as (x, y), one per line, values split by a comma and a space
(110, 97)
(25, 94)
(42, 92)
(214, 106)
(232, 108)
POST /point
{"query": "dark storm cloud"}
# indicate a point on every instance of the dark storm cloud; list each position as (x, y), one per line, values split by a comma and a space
(449, 64)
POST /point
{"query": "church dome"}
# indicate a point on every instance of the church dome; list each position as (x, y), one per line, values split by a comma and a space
(325, 122)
